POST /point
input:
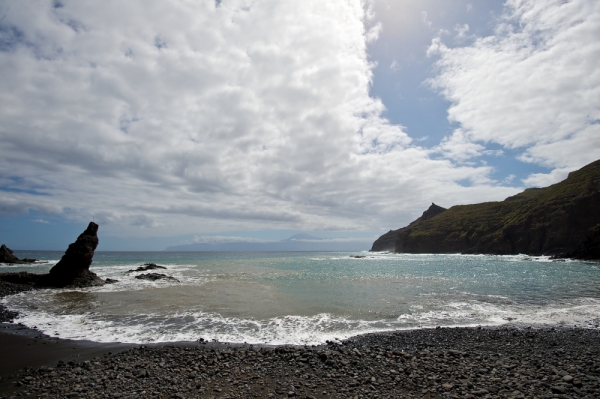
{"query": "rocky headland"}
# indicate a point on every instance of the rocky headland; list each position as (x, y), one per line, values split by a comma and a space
(561, 220)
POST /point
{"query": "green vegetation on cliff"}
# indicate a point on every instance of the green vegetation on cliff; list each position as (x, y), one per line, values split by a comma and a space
(552, 220)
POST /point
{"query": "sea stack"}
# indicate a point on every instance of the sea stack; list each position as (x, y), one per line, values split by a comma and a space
(73, 269)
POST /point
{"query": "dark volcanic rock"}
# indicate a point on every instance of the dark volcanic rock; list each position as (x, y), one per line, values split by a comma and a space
(589, 248)
(71, 271)
(539, 221)
(74, 267)
(146, 266)
(6, 255)
(155, 276)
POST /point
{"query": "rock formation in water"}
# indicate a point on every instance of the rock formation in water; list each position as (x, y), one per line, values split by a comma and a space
(72, 271)
(144, 267)
(74, 267)
(155, 276)
(561, 219)
(7, 256)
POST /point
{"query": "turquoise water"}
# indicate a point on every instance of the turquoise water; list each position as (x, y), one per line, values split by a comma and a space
(307, 297)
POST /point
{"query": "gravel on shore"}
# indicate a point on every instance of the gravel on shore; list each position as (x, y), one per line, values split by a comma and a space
(434, 363)
(500, 362)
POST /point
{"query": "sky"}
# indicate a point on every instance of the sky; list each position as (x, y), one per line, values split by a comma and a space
(173, 122)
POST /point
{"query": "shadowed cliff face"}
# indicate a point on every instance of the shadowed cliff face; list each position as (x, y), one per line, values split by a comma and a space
(552, 220)
(589, 247)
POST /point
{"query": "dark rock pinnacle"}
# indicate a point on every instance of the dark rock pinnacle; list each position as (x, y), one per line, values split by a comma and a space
(73, 269)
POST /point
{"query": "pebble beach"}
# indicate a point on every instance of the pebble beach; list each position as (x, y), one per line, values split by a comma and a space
(434, 363)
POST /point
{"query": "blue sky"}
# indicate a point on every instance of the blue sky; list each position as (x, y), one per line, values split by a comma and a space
(172, 123)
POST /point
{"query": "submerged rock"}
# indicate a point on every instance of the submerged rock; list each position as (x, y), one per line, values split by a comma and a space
(73, 270)
(146, 266)
(155, 276)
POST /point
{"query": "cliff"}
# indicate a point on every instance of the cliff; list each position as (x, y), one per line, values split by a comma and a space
(555, 220)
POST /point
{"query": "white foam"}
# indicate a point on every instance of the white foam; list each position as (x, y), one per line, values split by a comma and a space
(298, 330)
(127, 281)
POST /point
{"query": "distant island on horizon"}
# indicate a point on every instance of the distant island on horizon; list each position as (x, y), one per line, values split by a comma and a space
(297, 242)
(561, 220)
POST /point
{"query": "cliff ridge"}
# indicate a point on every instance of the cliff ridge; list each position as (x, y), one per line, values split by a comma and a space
(555, 220)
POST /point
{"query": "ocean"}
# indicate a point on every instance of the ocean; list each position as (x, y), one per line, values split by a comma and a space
(306, 298)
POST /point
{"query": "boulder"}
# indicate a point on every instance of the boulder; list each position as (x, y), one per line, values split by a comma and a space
(73, 270)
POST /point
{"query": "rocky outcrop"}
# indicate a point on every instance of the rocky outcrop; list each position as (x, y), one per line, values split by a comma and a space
(7, 256)
(542, 221)
(155, 276)
(73, 269)
(146, 266)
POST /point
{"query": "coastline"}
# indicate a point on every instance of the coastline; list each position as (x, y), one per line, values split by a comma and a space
(465, 362)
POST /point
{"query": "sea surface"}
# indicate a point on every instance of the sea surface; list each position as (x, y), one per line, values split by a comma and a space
(306, 298)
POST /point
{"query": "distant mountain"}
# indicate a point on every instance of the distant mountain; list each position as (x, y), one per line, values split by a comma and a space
(297, 242)
(563, 219)
(302, 237)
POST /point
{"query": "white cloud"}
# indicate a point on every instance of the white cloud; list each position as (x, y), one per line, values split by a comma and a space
(460, 147)
(187, 118)
(40, 221)
(533, 86)
(461, 31)
(425, 19)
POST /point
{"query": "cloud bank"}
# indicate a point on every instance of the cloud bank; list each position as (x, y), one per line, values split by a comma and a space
(533, 86)
(177, 117)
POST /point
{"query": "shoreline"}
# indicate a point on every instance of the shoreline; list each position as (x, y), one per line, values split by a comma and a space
(445, 362)
(506, 361)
